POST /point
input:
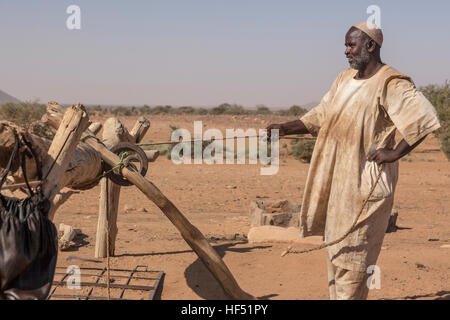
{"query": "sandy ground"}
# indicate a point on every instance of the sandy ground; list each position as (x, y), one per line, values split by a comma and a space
(216, 198)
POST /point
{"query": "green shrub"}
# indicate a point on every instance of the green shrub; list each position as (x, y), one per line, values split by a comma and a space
(94, 110)
(26, 115)
(145, 109)
(42, 130)
(293, 111)
(185, 110)
(201, 111)
(226, 108)
(262, 110)
(296, 111)
(439, 96)
(23, 113)
(444, 137)
(161, 110)
(303, 149)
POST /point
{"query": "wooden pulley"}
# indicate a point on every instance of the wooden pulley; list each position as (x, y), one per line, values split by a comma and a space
(130, 154)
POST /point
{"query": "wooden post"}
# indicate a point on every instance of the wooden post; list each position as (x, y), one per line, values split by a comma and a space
(114, 132)
(107, 220)
(73, 124)
(140, 129)
(95, 127)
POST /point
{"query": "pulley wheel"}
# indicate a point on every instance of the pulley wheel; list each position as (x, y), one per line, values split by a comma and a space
(135, 156)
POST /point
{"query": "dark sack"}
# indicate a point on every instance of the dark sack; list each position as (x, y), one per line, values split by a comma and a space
(28, 241)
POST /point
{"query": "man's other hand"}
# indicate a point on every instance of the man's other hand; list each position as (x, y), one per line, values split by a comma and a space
(383, 155)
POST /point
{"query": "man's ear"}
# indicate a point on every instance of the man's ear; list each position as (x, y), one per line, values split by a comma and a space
(371, 45)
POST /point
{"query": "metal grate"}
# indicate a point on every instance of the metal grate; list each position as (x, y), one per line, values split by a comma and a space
(125, 284)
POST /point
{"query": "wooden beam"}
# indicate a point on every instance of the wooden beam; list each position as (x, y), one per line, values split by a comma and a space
(73, 124)
(95, 127)
(84, 167)
(113, 133)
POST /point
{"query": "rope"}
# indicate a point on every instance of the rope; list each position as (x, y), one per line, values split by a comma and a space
(221, 139)
(350, 230)
(119, 166)
(107, 241)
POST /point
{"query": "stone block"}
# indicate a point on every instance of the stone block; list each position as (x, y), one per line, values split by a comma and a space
(274, 213)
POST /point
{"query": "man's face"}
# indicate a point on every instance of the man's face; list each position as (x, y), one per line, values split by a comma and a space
(356, 49)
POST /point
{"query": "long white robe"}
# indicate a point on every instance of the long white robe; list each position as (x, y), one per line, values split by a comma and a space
(354, 118)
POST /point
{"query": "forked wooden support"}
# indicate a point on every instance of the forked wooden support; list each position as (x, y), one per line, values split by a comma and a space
(114, 132)
(190, 233)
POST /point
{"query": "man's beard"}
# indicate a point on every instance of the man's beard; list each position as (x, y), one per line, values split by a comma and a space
(360, 61)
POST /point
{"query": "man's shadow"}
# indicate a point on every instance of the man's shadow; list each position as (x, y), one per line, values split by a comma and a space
(440, 295)
(203, 283)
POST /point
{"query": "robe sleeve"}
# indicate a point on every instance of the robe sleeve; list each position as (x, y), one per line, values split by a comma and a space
(315, 118)
(412, 114)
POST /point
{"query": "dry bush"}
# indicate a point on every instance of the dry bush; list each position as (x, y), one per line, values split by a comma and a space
(303, 149)
(444, 136)
(439, 96)
(23, 114)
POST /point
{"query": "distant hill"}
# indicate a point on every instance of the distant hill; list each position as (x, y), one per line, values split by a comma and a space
(6, 98)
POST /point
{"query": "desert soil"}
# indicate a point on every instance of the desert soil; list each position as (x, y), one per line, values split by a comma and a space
(414, 261)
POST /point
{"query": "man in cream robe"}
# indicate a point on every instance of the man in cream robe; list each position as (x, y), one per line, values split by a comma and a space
(355, 125)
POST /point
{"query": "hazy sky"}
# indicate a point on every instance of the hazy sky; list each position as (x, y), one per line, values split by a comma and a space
(206, 52)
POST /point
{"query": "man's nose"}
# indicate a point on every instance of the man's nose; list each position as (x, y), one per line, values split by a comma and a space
(347, 51)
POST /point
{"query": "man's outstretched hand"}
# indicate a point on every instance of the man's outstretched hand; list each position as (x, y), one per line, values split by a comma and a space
(281, 131)
(292, 127)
